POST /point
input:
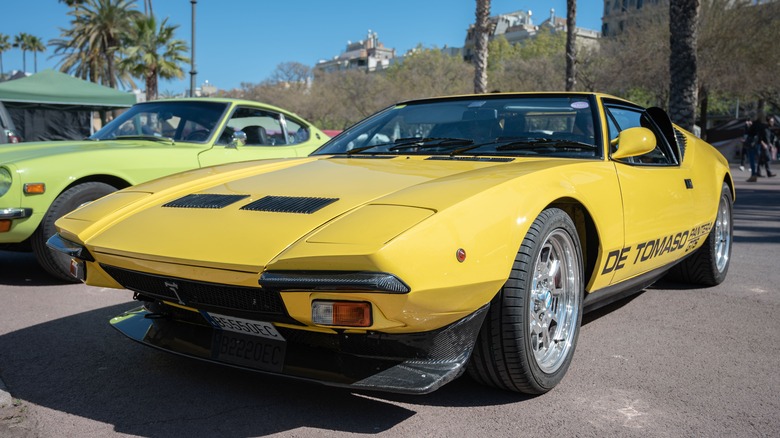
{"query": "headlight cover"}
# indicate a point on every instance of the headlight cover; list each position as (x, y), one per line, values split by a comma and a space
(5, 180)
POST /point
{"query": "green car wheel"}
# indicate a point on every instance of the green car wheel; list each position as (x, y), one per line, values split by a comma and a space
(55, 263)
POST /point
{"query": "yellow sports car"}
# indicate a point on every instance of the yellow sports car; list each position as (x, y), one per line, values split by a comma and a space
(437, 236)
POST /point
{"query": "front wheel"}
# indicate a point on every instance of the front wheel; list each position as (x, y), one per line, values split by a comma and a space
(53, 262)
(528, 338)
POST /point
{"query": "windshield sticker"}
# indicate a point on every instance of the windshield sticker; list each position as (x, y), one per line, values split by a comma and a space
(477, 104)
(580, 105)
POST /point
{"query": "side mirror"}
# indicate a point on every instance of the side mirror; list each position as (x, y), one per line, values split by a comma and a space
(237, 139)
(633, 142)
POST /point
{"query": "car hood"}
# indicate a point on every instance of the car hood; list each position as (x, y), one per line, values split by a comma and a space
(29, 151)
(244, 215)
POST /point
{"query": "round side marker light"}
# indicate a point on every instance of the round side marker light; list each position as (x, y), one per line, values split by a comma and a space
(460, 254)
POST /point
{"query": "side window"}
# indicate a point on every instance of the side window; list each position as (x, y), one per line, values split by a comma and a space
(296, 131)
(262, 127)
(620, 118)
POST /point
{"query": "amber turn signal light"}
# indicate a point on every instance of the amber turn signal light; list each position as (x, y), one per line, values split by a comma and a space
(341, 313)
(35, 188)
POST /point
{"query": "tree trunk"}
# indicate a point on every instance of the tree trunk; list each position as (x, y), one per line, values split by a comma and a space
(571, 50)
(704, 100)
(683, 24)
(151, 86)
(481, 29)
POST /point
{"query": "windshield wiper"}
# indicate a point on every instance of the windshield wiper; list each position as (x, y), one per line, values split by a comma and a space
(531, 143)
(415, 142)
(428, 142)
(145, 137)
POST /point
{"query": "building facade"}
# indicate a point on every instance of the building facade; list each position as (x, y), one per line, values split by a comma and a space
(518, 26)
(619, 15)
(367, 55)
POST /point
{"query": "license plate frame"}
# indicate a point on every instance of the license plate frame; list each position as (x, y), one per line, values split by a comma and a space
(244, 326)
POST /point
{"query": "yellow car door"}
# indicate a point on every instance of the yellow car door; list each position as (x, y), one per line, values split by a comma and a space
(657, 201)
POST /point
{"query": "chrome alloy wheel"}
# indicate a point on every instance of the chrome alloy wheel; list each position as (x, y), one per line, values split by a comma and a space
(723, 234)
(554, 307)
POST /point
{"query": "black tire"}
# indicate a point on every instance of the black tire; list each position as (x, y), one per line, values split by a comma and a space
(53, 262)
(509, 353)
(709, 265)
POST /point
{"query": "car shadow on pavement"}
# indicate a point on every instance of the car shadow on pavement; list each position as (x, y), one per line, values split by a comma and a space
(21, 269)
(80, 366)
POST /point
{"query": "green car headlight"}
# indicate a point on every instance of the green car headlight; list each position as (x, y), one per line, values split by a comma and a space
(5, 180)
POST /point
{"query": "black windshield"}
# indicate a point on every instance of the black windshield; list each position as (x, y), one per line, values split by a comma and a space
(182, 120)
(551, 125)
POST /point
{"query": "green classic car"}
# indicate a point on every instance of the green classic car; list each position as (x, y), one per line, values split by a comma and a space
(39, 182)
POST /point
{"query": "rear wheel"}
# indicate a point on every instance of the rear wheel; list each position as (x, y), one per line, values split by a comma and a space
(528, 338)
(53, 262)
(709, 265)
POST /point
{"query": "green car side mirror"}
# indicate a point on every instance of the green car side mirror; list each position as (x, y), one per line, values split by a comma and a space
(237, 139)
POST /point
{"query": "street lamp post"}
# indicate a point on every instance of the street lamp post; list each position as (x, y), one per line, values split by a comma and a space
(192, 58)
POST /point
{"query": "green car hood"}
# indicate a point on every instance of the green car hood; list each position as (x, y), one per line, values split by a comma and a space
(29, 151)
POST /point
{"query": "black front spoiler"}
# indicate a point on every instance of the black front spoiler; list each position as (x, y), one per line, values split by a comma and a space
(416, 363)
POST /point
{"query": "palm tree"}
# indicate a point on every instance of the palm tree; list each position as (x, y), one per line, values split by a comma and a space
(21, 42)
(152, 52)
(90, 47)
(571, 50)
(683, 24)
(35, 45)
(5, 44)
(481, 36)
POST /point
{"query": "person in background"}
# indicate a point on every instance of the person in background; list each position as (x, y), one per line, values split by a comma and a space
(746, 141)
(757, 153)
(774, 140)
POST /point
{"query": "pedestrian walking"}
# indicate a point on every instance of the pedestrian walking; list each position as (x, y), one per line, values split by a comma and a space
(746, 142)
(758, 152)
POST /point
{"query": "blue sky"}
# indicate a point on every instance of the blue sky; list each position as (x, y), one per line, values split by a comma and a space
(244, 40)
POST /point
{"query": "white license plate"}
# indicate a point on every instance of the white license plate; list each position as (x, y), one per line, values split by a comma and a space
(245, 326)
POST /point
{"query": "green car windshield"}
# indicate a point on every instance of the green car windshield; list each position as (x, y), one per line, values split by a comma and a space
(189, 121)
(547, 125)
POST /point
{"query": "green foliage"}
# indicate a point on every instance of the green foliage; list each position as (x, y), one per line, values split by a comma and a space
(5, 44)
(89, 48)
(500, 51)
(151, 52)
(640, 96)
(429, 72)
(544, 45)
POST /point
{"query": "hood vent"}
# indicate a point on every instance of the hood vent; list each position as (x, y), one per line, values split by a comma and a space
(205, 201)
(288, 204)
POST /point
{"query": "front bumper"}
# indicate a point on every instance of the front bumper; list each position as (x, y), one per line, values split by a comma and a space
(416, 363)
(15, 213)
